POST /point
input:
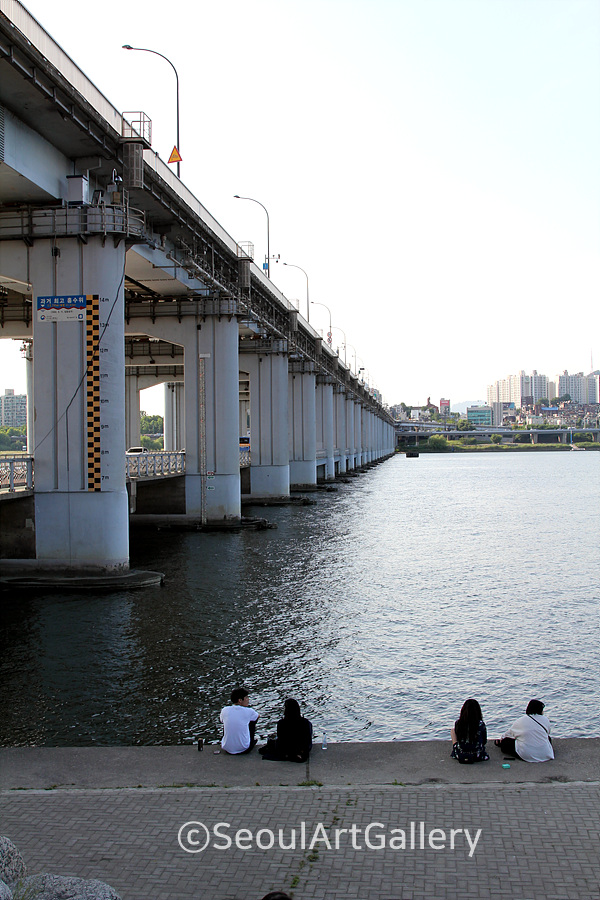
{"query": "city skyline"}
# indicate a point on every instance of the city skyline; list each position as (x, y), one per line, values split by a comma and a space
(433, 171)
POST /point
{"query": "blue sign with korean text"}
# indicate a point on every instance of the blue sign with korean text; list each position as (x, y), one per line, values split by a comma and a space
(67, 308)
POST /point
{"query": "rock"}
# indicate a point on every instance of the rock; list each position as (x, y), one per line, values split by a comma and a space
(11, 862)
(62, 887)
(5, 892)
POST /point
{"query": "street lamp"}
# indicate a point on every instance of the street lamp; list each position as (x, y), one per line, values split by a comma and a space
(352, 347)
(237, 197)
(292, 266)
(156, 53)
(329, 335)
(337, 328)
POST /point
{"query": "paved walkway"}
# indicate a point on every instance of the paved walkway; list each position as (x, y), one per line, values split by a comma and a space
(445, 830)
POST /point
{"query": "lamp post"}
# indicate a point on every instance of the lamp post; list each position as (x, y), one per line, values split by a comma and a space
(292, 266)
(156, 53)
(352, 347)
(237, 197)
(337, 328)
(329, 335)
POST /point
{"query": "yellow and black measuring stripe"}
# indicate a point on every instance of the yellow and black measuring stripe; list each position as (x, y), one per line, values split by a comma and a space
(93, 391)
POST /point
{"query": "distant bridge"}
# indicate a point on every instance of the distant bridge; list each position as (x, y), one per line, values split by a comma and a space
(412, 432)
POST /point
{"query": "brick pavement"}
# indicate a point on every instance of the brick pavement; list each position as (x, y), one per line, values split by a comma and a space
(537, 841)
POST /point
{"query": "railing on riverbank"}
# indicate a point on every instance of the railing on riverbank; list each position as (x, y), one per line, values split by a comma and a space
(149, 465)
(16, 473)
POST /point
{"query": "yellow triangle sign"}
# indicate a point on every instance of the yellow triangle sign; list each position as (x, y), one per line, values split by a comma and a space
(175, 155)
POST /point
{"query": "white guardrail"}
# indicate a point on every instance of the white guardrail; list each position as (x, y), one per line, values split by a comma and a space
(147, 465)
(16, 473)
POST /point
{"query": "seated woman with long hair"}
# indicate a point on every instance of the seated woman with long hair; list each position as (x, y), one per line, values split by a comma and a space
(469, 735)
(294, 736)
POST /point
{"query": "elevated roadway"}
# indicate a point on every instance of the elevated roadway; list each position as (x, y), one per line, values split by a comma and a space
(116, 277)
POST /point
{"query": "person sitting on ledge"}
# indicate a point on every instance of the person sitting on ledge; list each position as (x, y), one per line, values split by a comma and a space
(469, 735)
(294, 736)
(239, 723)
(529, 737)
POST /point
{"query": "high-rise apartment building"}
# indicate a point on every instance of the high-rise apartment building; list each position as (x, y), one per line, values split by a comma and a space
(13, 409)
(581, 388)
(525, 390)
(519, 389)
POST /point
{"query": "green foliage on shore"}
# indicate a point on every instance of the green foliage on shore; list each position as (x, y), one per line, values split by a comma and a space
(437, 442)
(151, 424)
(151, 443)
(12, 438)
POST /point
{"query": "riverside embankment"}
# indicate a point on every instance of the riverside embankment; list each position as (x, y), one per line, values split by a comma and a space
(390, 821)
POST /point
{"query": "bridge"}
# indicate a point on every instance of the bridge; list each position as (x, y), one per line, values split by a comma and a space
(117, 278)
(414, 432)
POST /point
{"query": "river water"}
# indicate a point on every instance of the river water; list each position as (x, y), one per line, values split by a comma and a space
(381, 609)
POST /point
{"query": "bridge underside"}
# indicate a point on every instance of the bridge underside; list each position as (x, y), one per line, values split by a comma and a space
(116, 278)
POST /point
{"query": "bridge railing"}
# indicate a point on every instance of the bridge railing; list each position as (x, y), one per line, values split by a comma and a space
(148, 465)
(16, 472)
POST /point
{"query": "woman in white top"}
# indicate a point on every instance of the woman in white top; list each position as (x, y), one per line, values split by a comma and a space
(529, 737)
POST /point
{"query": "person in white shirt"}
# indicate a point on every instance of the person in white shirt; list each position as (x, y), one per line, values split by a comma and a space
(529, 738)
(239, 723)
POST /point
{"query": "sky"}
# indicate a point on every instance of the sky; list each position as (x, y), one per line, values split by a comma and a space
(431, 164)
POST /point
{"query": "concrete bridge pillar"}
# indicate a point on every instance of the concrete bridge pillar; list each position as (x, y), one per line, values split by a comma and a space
(78, 399)
(368, 456)
(174, 425)
(29, 389)
(269, 441)
(340, 428)
(210, 415)
(358, 432)
(302, 426)
(244, 410)
(325, 431)
(350, 439)
(132, 411)
(373, 435)
(212, 456)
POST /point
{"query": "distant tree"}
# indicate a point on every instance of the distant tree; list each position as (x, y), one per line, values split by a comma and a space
(468, 441)
(151, 424)
(522, 438)
(150, 443)
(464, 425)
(5, 442)
(543, 401)
(496, 439)
(437, 442)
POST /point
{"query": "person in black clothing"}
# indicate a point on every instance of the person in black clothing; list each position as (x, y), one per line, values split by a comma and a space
(469, 735)
(294, 736)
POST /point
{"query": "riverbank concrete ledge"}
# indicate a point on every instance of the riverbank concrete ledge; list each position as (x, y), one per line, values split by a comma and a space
(360, 821)
(381, 763)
